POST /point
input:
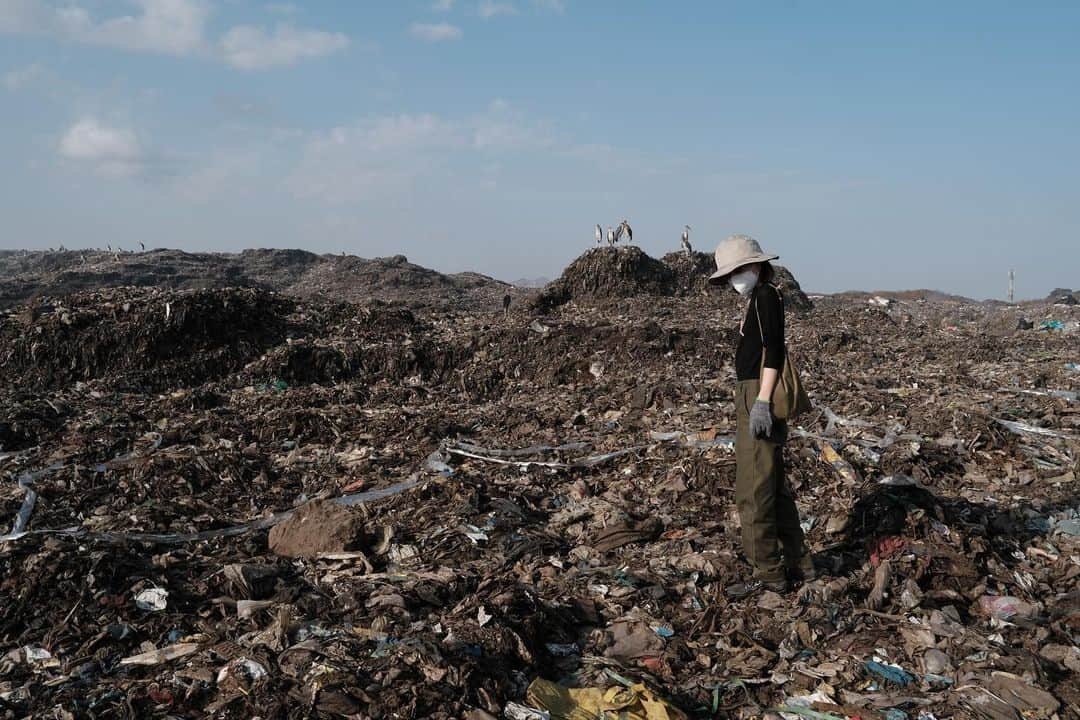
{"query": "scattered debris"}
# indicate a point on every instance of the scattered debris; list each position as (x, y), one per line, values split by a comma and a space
(232, 502)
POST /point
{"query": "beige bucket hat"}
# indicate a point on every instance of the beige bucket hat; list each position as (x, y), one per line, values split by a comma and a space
(734, 252)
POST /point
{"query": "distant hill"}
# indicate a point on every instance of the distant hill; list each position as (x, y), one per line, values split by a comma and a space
(25, 275)
(923, 295)
(537, 282)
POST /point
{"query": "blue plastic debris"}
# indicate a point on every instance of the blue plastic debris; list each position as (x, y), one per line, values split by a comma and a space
(891, 674)
(894, 714)
(664, 631)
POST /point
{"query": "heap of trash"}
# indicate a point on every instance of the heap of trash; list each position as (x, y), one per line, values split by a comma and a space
(235, 503)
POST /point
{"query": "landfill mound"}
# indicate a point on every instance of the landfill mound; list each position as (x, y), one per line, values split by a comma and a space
(794, 297)
(146, 338)
(608, 272)
(433, 513)
(1064, 296)
(693, 270)
(395, 278)
(26, 275)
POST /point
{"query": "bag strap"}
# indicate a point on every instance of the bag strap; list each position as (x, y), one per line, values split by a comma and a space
(761, 329)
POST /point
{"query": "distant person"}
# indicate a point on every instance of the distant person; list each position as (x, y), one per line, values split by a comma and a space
(506, 305)
(771, 534)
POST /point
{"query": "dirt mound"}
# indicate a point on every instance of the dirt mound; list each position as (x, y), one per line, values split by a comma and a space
(147, 338)
(316, 528)
(603, 273)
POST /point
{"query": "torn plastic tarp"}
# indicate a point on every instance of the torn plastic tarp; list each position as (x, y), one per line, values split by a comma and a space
(181, 538)
(498, 456)
(1067, 395)
(833, 420)
(701, 440)
(26, 481)
(1020, 428)
(524, 452)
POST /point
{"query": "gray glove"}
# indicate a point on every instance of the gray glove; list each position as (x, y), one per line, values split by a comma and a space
(761, 419)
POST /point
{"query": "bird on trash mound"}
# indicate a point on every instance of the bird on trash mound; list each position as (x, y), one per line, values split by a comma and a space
(686, 240)
(611, 237)
(599, 234)
(624, 227)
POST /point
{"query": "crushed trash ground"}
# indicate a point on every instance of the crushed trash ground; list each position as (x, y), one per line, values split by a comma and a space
(238, 503)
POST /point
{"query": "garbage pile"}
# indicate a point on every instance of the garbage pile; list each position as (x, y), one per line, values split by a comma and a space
(692, 271)
(29, 275)
(1063, 296)
(315, 508)
(608, 272)
(149, 339)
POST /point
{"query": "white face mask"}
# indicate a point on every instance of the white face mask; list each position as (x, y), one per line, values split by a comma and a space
(744, 280)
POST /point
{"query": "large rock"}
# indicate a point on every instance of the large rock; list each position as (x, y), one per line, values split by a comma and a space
(316, 528)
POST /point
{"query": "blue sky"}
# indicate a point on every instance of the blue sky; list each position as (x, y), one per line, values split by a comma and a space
(872, 145)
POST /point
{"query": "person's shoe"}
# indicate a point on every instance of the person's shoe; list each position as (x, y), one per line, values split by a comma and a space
(752, 587)
(803, 575)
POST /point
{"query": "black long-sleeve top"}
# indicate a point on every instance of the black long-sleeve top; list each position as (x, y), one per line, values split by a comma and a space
(769, 305)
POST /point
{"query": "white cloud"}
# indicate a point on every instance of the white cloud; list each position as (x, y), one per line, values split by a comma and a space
(397, 132)
(283, 8)
(378, 157)
(558, 6)
(503, 128)
(20, 16)
(435, 32)
(170, 27)
(489, 9)
(20, 78)
(223, 172)
(252, 48)
(388, 157)
(443, 5)
(114, 152)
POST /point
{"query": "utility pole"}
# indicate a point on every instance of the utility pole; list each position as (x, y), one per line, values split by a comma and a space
(1012, 280)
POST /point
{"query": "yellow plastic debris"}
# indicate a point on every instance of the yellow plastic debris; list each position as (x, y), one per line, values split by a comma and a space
(636, 702)
(842, 467)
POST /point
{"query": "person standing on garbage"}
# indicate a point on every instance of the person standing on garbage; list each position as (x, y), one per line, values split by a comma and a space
(771, 533)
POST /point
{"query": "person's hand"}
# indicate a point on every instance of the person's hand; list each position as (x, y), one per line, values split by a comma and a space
(761, 419)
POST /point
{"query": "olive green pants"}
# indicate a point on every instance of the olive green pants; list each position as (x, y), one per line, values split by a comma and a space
(770, 520)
